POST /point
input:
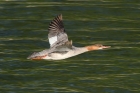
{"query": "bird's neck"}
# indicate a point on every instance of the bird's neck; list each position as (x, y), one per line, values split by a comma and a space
(79, 50)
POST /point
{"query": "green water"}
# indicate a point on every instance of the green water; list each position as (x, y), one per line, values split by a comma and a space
(23, 30)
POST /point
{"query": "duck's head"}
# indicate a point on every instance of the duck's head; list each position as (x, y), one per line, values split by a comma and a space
(97, 47)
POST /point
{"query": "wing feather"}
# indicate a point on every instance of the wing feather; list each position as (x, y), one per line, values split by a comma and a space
(57, 35)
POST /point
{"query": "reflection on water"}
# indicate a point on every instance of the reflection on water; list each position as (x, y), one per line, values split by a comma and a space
(23, 30)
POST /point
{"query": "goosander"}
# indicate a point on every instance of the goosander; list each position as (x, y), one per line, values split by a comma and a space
(60, 46)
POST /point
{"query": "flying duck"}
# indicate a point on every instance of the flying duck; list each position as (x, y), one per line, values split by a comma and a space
(60, 46)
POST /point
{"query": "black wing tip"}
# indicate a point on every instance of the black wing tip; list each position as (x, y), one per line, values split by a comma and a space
(59, 17)
(56, 23)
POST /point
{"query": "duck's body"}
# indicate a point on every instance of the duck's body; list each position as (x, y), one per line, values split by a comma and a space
(60, 46)
(58, 55)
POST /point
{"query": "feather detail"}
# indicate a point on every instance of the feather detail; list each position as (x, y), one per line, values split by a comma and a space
(57, 35)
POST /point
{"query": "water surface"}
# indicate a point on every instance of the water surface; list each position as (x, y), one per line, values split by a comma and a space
(23, 30)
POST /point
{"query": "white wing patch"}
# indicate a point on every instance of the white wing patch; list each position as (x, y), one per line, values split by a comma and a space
(52, 40)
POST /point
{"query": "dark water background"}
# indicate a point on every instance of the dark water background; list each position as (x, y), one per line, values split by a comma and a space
(23, 30)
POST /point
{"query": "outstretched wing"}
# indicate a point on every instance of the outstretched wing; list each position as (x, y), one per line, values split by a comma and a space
(58, 40)
(57, 35)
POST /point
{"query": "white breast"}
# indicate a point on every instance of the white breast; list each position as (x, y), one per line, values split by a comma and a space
(70, 53)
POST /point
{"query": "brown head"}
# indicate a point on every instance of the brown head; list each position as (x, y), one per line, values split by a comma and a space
(97, 47)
